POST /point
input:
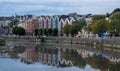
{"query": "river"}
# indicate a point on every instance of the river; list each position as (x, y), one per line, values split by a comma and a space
(56, 57)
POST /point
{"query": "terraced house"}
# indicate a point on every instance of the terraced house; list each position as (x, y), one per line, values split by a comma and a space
(55, 21)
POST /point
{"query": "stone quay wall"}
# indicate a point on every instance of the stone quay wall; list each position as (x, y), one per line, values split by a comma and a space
(105, 41)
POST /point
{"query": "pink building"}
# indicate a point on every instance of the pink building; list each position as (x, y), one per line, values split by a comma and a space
(31, 25)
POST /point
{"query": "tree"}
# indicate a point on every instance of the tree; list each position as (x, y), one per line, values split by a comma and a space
(14, 31)
(97, 17)
(46, 31)
(116, 10)
(77, 26)
(21, 31)
(41, 31)
(55, 31)
(99, 26)
(114, 25)
(88, 27)
(107, 15)
(66, 29)
(50, 31)
(36, 32)
(18, 31)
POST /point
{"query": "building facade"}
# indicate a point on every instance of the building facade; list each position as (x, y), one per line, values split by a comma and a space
(55, 21)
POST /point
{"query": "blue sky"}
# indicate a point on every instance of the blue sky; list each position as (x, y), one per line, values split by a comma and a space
(53, 7)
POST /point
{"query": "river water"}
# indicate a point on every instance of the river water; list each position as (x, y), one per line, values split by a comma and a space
(53, 57)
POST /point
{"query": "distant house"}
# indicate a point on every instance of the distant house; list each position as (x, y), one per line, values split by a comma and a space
(30, 22)
(4, 28)
(59, 21)
(31, 25)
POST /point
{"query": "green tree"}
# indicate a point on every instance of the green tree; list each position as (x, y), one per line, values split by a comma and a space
(55, 31)
(115, 10)
(66, 29)
(18, 31)
(88, 27)
(77, 26)
(50, 31)
(46, 31)
(97, 17)
(114, 25)
(98, 62)
(14, 30)
(36, 32)
(41, 31)
(107, 15)
(99, 26)
(21, 31)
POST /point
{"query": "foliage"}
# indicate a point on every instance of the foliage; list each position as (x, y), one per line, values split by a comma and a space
(116, 10)
(45, 31)
(97, 17)
(36, 32)
(66, 29)
(99, 26)
(14, 30)
(114, 25)
(98, 62)
(107, 15)
(74, 28)
(18, 31)
(77, 26)
(88, 27)
(55, 30)
(50, 31)
(40, 31)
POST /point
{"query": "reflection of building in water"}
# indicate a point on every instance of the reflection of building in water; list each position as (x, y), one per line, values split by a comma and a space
(54, 59)
(83, 53)
(50, 59)
(29, 55)
(114, 60)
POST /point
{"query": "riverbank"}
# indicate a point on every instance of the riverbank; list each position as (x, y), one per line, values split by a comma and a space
(107, 43)
(65, 44)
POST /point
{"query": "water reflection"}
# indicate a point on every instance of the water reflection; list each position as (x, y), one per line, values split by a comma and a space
(28, 56)
(62, 57)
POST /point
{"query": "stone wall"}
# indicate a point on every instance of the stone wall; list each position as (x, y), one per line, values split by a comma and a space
(105, 41)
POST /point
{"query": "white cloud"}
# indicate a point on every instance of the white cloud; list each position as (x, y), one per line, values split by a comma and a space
(10, 7)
